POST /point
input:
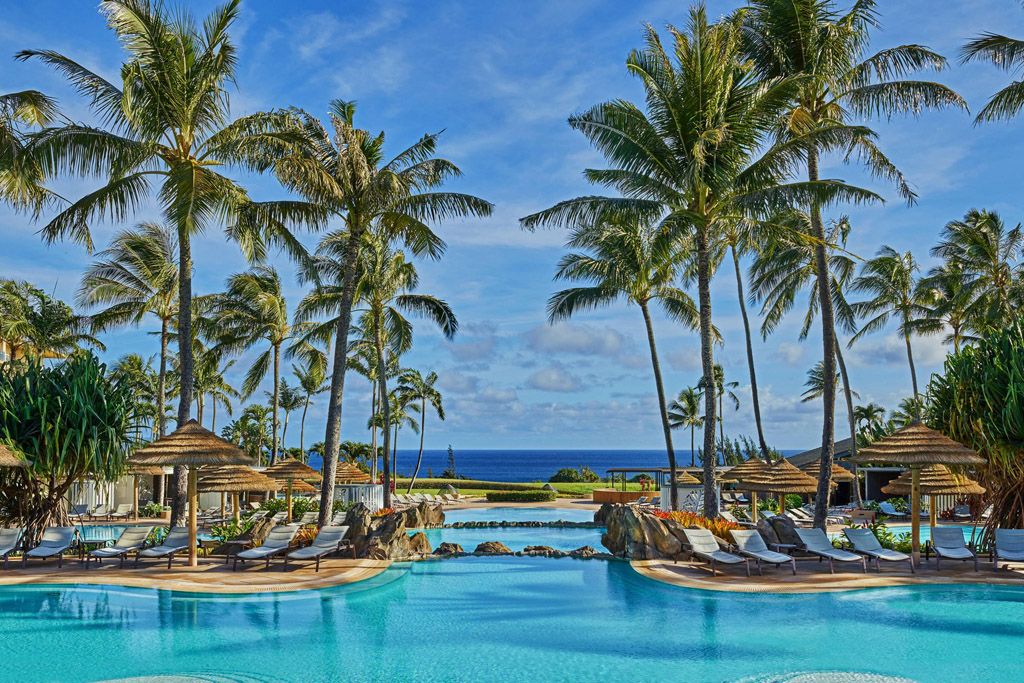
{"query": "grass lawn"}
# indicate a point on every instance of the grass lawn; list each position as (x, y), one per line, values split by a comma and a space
(472, 487)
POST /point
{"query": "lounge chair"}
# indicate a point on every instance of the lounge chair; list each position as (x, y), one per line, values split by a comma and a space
(176, 541)
(339, 517)
(865, 543)
(655, 503)
(279, 517)
(1008, 546)
(99, 512)
(816, 542)
(256, 516)
(729, 517)
(750, 543)
(254, 505)
(308, 518)
(277, 542)
(132, 540)
(766, 513)
(329, 540)
(889, 511)
(123, 511)
(79, 512)
(639, 501)
(9, 540)
(55, 540)
(703, 545)
(949, 543)
(962, 512)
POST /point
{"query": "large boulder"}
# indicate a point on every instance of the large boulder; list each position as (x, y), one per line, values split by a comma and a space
(493, 548)
(767, 531)
(424, 516)
(601, 516)
(638, 535)
(785, 529)
(360, 524)
(388, 539)
(419, 545)
(449, 549)
(538, 549)
(585, 551)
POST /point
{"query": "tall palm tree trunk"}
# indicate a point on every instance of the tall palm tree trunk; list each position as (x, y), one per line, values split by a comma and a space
(662, 407)
(707, 367)
(385, 407)
(394, 452)
(275, 423)
(332, 440)
(161, 384)
(302, 430)
(693, 451)
(853, 423)
(213, 422)
(913, 375)
(419, 458)
(750, 356)
(284, 433)
(179, 481)
(373, 428)
(828, 339)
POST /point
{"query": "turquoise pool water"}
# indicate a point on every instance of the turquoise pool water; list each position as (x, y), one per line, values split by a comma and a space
(490, 619)
(111, 532)
(517, 538)
(519, 514)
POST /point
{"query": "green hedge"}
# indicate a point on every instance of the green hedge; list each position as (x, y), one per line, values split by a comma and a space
(433, 485)
(520, 496)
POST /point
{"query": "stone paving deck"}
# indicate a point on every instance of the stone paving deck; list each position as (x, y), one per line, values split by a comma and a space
(211, 576)
(813, 577)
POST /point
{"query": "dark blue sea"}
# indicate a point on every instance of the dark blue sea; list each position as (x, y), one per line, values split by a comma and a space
(528, 465)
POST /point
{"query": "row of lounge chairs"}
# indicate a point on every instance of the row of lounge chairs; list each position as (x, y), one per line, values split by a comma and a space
(405, 500)
(947, 542)
(122, 511)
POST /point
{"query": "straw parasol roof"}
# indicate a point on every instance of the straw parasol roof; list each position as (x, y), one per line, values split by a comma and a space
(839, 474)
(9, 459)
(137, 470)
(915, 445)
(935, 480)
(745, 470)
(237, 479)
(296, 470)
(193, 446)
(350, 474)
(782, 477)
(687, 479)
(298, 486)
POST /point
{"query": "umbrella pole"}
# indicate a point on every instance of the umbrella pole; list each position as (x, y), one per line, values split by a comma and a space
(915, 513)
(753, 506)
(135, 498)
(234, 507)
(193, 558)
(288, 501)
(932, 521)
(223, 501)
(782, 503)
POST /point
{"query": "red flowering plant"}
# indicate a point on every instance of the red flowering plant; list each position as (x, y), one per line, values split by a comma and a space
(383, 512)
(719, 527)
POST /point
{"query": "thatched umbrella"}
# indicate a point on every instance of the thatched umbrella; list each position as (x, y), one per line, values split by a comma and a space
(914, 446)
(935, 480)
(746, 469)
(291, 472)
(138, 471)
(347, 473)
(783, 477)
(839, 474)
(9, 459)
(234, 480)
(194, 447)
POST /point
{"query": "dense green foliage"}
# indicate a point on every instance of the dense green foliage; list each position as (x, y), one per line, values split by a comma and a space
(570, 475)
(520, 496)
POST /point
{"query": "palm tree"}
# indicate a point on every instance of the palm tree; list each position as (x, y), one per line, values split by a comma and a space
(1005, 53)
(624, 258)
(251, 311)
(698, 158)
(827, 49)
(35, 325)
(137, 373)
(348, 178)
(209, 381)
(136, 276)
(723, 389)
(947, 297)
(311, 376)
(415, 387)
(890, 278)
(385, 289)
(21, 176)
(167, 127)
(985, 256)
(816, 383)
(870, 417)
(289, 399)
(401, 410)
(684, 412)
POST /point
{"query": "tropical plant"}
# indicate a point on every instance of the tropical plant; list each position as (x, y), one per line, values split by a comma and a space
(826, 49)
(401, 411)
(209, 381)
(70, 421)
(251, 430)
(700, 157)
(723, 390)
(890, 278)
(311, 375)
(684, 412)
(137, 374)
(945, 294)
(415, 387)
(348, 177)
(21, 178)
(816, 383)
(167, 126)
(719, 527)
(1007, 54)
(35, 325)
(136, 276)
(289, 399)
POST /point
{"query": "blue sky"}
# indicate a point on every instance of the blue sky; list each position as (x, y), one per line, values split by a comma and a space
(500, 79)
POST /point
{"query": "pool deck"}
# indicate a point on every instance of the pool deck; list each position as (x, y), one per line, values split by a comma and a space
(211, 576)
(813, 577)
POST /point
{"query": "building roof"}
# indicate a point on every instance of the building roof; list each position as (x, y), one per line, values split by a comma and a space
(842, 449)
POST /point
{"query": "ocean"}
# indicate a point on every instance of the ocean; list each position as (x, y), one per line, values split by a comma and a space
(528, 465)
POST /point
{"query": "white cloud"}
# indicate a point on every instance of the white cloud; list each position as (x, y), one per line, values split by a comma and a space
(684, 359)
(575, 338)
(456, 382)
(554, 378)
(788, 353)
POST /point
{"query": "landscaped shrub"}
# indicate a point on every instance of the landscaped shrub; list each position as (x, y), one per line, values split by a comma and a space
(152, 510)
(719, 527)
(520, 496)
(579, 475)
(793, 500)
(300, 506)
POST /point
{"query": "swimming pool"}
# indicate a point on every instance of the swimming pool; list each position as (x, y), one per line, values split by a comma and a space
(519, 514)
(111, 532)
(517, 538)
(508, 618)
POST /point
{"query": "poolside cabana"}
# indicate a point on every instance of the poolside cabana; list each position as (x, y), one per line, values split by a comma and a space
(235, 479)
(194, 447)
(291, 473)
(745, 470)
(782, 478)
(936, 480)
(915, 446)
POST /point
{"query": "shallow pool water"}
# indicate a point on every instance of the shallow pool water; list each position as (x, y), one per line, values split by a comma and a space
(517, 538)
(519, 514)
(111, 532)
(485, 619)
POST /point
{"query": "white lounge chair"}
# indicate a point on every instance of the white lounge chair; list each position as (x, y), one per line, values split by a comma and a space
(131, 540)
(816, 542)
(176, 541)
(9, 541)
(703, 545)
(729, 517)
(277, 542)
(307, 518)
(749, 542)
(639, 501)
(99, 512)
(55, 540)
(123, 511)
(949, 543)
(889, 511)
(330, 539)
(1008, 546)
(865, 543)
(279, 517)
